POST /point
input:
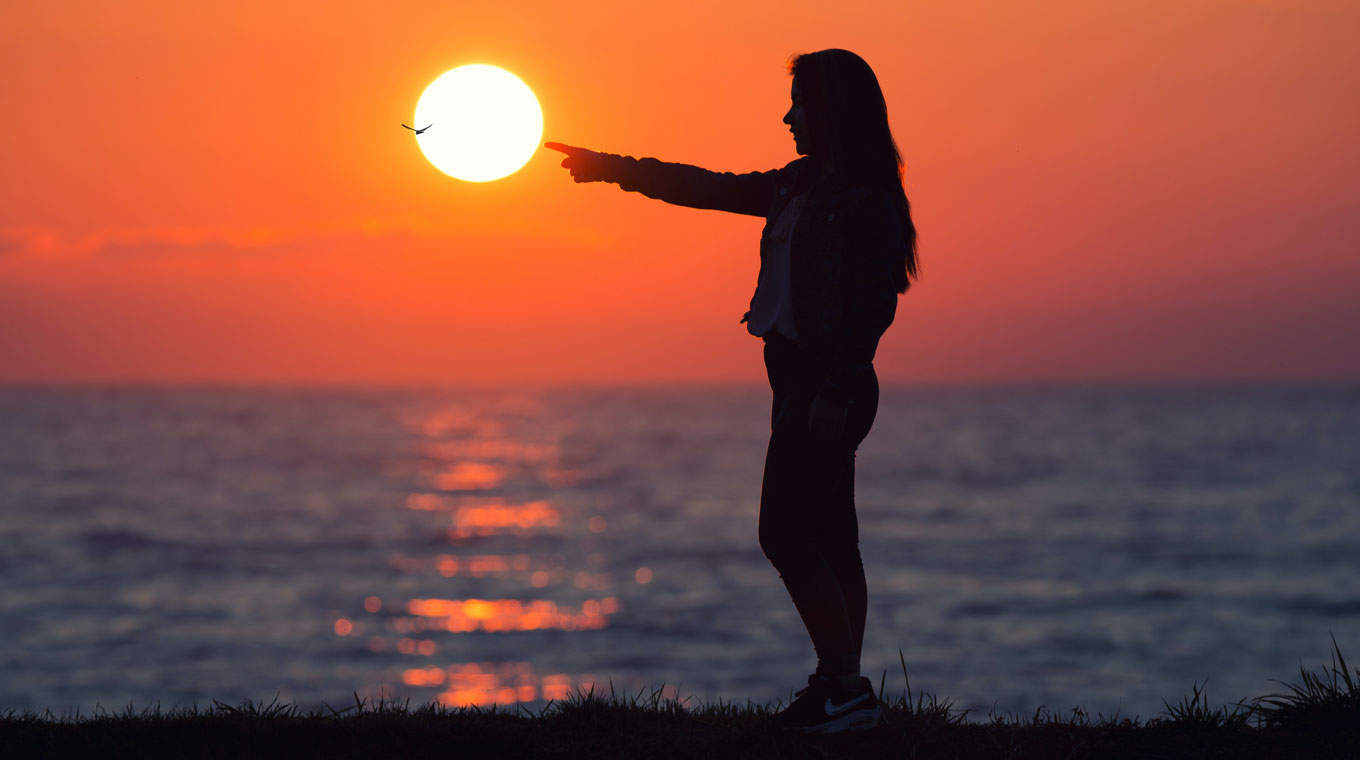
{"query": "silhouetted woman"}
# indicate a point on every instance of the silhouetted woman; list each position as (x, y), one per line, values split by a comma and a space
(837, 249)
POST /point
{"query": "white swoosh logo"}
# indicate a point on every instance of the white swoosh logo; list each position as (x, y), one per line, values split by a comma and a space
(832, 708)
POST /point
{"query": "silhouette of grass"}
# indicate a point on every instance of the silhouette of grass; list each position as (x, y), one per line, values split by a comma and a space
(1319, 702)
(1317, 718)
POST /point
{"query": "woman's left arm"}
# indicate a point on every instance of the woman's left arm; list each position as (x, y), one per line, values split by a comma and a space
(867, 301)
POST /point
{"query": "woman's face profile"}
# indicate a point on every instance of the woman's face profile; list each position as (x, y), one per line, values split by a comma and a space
(796, 118)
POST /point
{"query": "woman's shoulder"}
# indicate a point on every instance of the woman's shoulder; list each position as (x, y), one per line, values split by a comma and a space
(795, 175)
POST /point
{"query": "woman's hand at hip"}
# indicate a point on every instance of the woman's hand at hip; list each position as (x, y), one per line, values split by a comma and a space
(826, 419)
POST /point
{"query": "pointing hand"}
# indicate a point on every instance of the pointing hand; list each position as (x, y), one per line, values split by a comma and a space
(584, 165)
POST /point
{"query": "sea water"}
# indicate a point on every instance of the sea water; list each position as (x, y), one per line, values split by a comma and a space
(1104, 547)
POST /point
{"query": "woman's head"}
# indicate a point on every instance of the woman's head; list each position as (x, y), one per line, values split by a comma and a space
(840, 119)
(838, 114)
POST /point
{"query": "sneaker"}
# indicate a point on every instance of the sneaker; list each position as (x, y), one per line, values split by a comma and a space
(827, 707)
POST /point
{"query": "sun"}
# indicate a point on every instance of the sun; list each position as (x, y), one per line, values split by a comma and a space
(483, 123)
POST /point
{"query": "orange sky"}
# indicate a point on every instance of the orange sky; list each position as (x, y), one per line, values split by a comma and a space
(1124, 190)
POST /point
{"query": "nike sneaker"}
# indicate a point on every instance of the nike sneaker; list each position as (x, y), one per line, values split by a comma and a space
(827, 707)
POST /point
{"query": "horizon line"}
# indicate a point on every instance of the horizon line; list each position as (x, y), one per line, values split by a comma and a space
(427, 386)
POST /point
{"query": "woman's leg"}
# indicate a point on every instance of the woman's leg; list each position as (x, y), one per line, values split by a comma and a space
(808, 528)
(843, 557)
(793, 537)
(843, 553)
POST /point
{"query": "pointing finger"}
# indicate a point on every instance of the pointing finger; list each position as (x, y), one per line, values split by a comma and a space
(557, 146)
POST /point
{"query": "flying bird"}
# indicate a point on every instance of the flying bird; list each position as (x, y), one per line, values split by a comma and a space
(422, 129)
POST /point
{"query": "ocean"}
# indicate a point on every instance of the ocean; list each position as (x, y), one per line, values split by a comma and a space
(1026, 547)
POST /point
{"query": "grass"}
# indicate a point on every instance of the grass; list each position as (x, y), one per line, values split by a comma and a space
(1319, 717)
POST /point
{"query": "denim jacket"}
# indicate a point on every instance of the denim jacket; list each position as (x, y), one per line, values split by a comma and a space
(843, 251)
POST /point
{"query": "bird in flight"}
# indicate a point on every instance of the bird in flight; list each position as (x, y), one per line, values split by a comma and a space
(422, 129)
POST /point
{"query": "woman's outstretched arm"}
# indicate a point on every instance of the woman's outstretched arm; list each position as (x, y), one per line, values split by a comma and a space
(681, 184)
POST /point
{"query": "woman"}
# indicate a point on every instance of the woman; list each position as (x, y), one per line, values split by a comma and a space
(837, 249)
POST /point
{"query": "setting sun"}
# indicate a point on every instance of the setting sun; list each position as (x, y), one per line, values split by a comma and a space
(478, 123)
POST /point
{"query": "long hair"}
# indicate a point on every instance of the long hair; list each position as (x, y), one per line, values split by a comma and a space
(849, 121)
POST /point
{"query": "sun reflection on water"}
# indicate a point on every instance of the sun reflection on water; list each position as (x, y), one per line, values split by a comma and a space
(492, 518)
(479, 566)
(488, 516)
(512, 451)
(479, 684)
(462, 616)
(470, 476)
(467, 461)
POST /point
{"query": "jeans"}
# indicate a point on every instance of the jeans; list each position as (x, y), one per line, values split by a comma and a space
(808, 528)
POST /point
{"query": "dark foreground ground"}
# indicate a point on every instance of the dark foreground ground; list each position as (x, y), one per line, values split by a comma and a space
(598, 731)
(1317, 718)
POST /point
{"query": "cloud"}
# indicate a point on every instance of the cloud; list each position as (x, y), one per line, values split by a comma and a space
(52, 242)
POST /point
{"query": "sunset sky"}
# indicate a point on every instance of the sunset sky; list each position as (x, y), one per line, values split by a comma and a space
(1105, 191)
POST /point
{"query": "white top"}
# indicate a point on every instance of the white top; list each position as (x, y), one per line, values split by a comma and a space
(772, 307)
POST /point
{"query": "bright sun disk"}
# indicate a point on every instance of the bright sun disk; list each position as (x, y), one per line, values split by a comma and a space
(484, 123)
